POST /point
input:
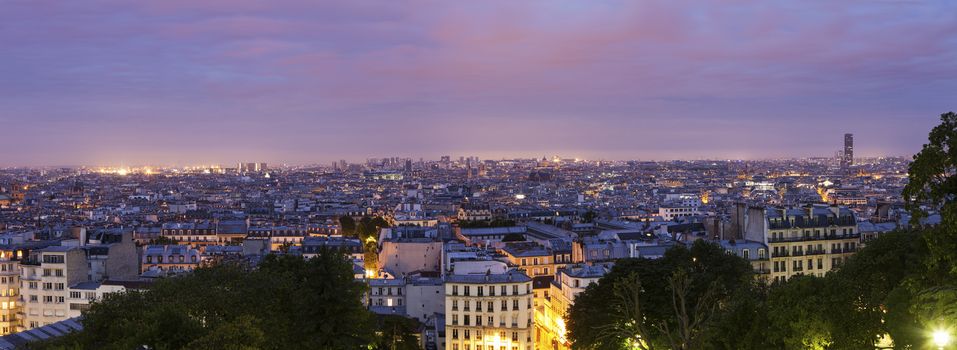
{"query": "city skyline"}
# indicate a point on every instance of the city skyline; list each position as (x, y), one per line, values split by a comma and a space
(299, 82)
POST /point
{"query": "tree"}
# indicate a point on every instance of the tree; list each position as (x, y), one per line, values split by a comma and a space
(589, 216)
(314, 304)
(669, 302)
(796, 311)
(933, 182)
(348, 225)
(398, 333)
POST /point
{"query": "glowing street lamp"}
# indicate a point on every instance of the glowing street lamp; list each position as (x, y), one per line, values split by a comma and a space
(941, 338)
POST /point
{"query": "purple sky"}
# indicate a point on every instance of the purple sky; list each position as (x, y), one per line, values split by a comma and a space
(119, 82)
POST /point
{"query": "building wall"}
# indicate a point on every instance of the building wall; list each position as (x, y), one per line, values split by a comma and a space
(45, 301)
(469, 324)
(424, 300)
(9, 294)
(402, 258)
(792, 254)
(550, 311)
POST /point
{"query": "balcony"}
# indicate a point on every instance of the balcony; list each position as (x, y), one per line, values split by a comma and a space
(816, 252)
(813, 238)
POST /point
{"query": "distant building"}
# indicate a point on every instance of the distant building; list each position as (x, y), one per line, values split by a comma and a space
(848, 155)
(170, 259)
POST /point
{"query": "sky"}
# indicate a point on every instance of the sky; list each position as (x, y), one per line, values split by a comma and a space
(186, 82)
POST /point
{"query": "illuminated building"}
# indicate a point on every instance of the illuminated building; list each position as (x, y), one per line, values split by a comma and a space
(488, 307)
(550, 312)
(12, 250)
(45, 277)
(535, 259)
(848, 156)
(804, 240)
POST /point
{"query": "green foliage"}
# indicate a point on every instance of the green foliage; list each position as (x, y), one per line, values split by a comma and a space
(797, 314)
(300, 304)
(933, 183)
(398, 333)
(670, 302)
(348, 226)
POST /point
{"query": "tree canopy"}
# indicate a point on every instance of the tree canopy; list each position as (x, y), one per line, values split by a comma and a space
(670, 302)
(286, 303)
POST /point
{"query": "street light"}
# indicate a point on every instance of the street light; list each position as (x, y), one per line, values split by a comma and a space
(941, 338)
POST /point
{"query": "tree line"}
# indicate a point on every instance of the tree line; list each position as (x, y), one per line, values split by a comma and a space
(897, 290)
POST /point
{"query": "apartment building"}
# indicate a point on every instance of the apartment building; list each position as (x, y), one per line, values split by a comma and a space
(170, 258)
(46, 276)
(809, 240)
(550, 311)
(488, 309)
(536, 260)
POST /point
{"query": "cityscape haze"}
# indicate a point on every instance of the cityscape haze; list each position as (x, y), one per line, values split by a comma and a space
(296, 82)
(478, 175)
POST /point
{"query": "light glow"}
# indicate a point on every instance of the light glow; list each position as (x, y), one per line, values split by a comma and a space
(941, 338)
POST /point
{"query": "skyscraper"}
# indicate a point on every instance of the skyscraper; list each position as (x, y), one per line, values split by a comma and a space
(848, 151)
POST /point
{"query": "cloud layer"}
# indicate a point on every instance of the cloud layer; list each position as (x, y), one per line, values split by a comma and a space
(188, 82)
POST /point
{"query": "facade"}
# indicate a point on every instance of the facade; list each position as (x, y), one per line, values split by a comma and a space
(387, 296)
(550, 311)
(9, 292)
(669, 213)
(848, 159)
(12, 251)
(170, 258)
(755, 253)
(402, 256)
(489, 311)
(810, 240)
(193, 234)
(46, 277)
(474, 212)
(534, 259)
(82, 294)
